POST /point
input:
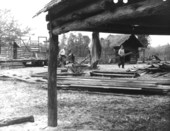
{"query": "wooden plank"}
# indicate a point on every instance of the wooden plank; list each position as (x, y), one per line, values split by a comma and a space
(113, 79)
(131, 83)
(113, 72)
(112, 75)
(108, 84)
(104, 87)
(126, 90)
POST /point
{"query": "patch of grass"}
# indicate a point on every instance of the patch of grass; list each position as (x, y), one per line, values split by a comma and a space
(109, 112)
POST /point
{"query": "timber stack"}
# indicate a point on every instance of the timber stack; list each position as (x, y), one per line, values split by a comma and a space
(115, 85)
(111, 85)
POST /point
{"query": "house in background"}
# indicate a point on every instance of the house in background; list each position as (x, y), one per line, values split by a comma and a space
(9, 50)
(130, 44)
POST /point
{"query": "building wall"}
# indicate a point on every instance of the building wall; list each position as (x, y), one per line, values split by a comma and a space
(23, 52)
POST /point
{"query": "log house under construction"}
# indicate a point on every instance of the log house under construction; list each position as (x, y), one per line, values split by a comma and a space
(134, 17)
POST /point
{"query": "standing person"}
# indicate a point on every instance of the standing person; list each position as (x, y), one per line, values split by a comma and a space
(62, 55)
(121, 54)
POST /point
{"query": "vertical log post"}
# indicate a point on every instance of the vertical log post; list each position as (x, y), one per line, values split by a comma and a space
(52, 90)
(15, 47)
(143, 55)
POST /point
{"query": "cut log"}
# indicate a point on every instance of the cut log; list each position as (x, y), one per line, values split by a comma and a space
(16, 120)
(89, 10)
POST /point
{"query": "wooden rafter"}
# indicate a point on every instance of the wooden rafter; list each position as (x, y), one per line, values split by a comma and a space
(120, 15)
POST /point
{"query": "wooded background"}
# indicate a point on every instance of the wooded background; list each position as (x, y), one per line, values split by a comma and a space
(79, 45)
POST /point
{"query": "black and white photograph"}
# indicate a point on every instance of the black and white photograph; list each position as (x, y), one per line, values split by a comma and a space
(84, 65)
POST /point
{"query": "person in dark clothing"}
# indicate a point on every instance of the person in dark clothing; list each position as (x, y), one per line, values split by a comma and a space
(62, 57)
(121, 54)
(71, 57)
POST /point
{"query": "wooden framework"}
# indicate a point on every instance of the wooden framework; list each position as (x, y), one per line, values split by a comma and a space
(136, 16)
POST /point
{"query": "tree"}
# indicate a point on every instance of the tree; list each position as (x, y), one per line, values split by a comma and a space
(63, 41)
(78, 44)
(10, 30)
(144, 39)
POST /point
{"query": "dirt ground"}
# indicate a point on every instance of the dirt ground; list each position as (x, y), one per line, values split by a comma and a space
(78, 110)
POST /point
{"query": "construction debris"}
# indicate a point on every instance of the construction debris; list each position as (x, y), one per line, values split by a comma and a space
(159, 69)
(108, 84)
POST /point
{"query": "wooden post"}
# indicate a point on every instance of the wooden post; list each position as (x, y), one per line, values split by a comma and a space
(15, 46)
(143, 55)
(52, 90)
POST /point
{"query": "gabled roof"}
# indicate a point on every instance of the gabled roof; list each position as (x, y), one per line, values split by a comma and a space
(118, 40)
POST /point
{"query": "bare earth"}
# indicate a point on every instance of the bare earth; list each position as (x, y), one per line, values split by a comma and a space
(78, 110)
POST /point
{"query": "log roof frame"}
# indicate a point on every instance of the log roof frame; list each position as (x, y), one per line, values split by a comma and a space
(134, 17)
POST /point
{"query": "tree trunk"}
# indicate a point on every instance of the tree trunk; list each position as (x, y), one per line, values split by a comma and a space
(95, 49)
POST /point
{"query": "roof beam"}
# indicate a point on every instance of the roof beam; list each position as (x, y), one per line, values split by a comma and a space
(90, 9)
(66, 6)
(142, 9)
(131, 30)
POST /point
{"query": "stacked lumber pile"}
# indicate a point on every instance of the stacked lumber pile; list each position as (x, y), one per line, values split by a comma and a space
(114, 74)
(114, 82)
(107, 84)
(114, 85)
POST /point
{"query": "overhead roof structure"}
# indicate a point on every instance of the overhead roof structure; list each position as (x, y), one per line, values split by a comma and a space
(135, 16)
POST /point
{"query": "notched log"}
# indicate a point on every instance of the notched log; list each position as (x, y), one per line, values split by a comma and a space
(119, 15)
